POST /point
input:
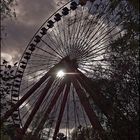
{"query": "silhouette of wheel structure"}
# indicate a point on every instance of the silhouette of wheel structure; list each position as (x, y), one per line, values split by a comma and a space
(52, 94)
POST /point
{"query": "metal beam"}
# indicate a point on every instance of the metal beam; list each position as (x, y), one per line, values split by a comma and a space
(97, 96)
(88, 109)
(63, 104)
(37, 105)
(30, 92)
(49, 109)
(99, 99)
(25, 97)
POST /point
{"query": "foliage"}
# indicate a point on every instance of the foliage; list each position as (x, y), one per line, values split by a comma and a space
(7, 132)
(7, 11)
(6, 79)
(7, 76)
(85, 133)
(6, 8)
(121, 87)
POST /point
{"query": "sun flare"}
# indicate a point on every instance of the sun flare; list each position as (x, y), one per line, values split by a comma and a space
(60, 73)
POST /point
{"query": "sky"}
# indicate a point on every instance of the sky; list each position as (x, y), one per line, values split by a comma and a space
(30, 15)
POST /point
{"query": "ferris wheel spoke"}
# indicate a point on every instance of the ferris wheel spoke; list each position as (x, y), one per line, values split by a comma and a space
(75, 28)
(94, 55)
(87, 69)
(89, 30)
(28, 101)
(101, 47)
(54, 43)
(38, 70)
(107, 39)
(51, 62)
(71, 27)
(78, 28)
(34, 63)
(91, 45)
(46, 52)
(68, 38)
(99, 28)
(88, 34)
(38, 56)
(36, 60)
(108, 70)
(31, 81)
(97, 52)
(81, 56)
(58, 41)
(32, 72)
(91, 61)
(59, 36)
(65, 34)
(51, 48)
(104, 38)
(31, 67)
(43, 62)
(76, 31)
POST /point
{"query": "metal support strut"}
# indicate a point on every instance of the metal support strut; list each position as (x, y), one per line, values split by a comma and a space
(88, 109)
(61, 110)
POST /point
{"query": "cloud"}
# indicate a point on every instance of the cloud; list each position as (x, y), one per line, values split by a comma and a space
(30, 16)
(8, 57)
(34, 11)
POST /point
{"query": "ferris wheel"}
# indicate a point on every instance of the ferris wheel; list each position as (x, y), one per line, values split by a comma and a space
(52, 92)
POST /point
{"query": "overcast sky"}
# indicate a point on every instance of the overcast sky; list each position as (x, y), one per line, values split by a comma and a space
(30, 16)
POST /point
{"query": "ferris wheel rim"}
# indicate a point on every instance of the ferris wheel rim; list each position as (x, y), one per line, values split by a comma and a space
(29, 45)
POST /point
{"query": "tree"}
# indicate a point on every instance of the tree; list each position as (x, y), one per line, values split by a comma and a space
(85, 133)
(7, 10)
(122, 85)
(7, 73)
(119, 82)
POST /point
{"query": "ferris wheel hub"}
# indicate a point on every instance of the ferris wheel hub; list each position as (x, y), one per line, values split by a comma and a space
(68, 62)
(65, 67)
